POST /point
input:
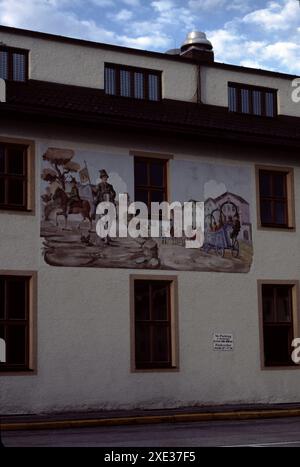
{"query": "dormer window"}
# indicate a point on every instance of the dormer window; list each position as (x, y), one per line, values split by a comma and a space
(252, 100)
(137, 83)
(13, 64)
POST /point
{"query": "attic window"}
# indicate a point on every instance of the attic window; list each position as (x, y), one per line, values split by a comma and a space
(137, 83)
(13, 64)
(252, 100)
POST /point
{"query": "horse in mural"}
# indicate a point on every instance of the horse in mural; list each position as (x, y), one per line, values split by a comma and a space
(61, 201)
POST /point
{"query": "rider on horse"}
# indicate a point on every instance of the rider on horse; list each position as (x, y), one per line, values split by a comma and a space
(74, 195)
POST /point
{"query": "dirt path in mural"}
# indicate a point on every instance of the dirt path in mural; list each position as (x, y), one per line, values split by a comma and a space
(75, 248)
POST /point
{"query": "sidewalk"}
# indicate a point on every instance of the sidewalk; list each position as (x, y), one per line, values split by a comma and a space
(132, 417)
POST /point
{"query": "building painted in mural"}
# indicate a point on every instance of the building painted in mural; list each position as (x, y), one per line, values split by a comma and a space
(91, 323)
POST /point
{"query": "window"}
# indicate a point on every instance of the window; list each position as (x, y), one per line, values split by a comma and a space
(150, 180)
(138, 83)
(13, 176)
(252, 100)
(16, 321)
(278, 309)
(275, 197)
(13, 64)
(154, 324)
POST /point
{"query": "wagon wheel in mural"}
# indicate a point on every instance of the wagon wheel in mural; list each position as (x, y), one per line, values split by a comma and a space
(235, 250)
(222, 211)
(220, 251)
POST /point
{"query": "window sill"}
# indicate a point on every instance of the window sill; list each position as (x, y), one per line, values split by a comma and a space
(155, 370)
(15, 372)
(279, 228)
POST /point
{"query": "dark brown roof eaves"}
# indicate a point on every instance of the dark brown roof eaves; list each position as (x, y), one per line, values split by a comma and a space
(93, 105)
(145, 53)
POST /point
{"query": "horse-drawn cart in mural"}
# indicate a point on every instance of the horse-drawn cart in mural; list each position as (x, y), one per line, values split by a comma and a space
(221, 241)
(222, 231)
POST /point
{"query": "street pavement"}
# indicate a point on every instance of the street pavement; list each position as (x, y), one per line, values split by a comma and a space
(283, 432)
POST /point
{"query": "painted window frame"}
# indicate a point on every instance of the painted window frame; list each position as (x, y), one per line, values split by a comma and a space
(173, 281)
(290, 196)
(146, 72)
(295, 318)
(29, 205)
(31, 362)
(10, 51)
(252, 88)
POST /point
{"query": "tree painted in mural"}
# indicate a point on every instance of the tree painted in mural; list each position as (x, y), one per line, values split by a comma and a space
(62, 165)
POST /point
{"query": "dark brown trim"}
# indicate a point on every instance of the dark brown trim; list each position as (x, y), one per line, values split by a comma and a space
(145, 53)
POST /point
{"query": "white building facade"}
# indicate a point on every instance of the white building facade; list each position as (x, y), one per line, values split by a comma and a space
(133, 323)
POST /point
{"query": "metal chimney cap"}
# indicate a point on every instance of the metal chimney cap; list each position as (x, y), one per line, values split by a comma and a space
(197, 38)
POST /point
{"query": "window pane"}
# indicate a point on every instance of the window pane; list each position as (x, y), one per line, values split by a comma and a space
(16, 297)
(110, 80)
(284, 305)
(140, 173)
(266, 212)
(265, 186)
(156, 174)
(2, 298)
(15, 161)
(125, 83)
(16, 344)
(138, 85)
(157, 196)
(141, 195)
(279, 183)
(142, 343)
(141, 293)
(159, 299)
(277, 344)
(2, 159)
(16, 192)
(280, 213)
(3, 64)
(232, 99)
(2, 191)
(270, 111)
(161, 344)
(19, 67)
(153, 87)
(268, 303)
(245, 101)
(257, 110)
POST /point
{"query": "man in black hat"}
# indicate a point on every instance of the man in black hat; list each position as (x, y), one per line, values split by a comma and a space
(104, 191)
(74, 194)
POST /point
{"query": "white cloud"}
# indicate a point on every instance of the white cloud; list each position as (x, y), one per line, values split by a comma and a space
(163, 5)
(206, 4)
(131, 2)
(277, 16)
(122, 15)
(213, 189)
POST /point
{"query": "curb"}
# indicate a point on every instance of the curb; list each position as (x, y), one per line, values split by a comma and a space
(150, 419)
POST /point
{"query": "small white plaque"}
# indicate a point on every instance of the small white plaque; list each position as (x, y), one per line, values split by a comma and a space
(222, 341)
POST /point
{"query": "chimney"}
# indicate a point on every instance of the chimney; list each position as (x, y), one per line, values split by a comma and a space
(197, 47)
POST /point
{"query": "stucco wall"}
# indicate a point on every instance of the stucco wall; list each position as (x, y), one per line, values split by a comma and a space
(84, 66)
(84, 319)
(214, 88)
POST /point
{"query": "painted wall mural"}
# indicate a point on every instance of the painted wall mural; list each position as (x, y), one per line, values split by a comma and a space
(74, 182)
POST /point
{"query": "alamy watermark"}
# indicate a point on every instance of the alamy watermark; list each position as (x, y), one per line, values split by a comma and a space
(164, 220)
(296, 91)
(2, 351)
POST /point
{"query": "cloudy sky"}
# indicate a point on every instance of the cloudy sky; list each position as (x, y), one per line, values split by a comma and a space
(257, 33)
